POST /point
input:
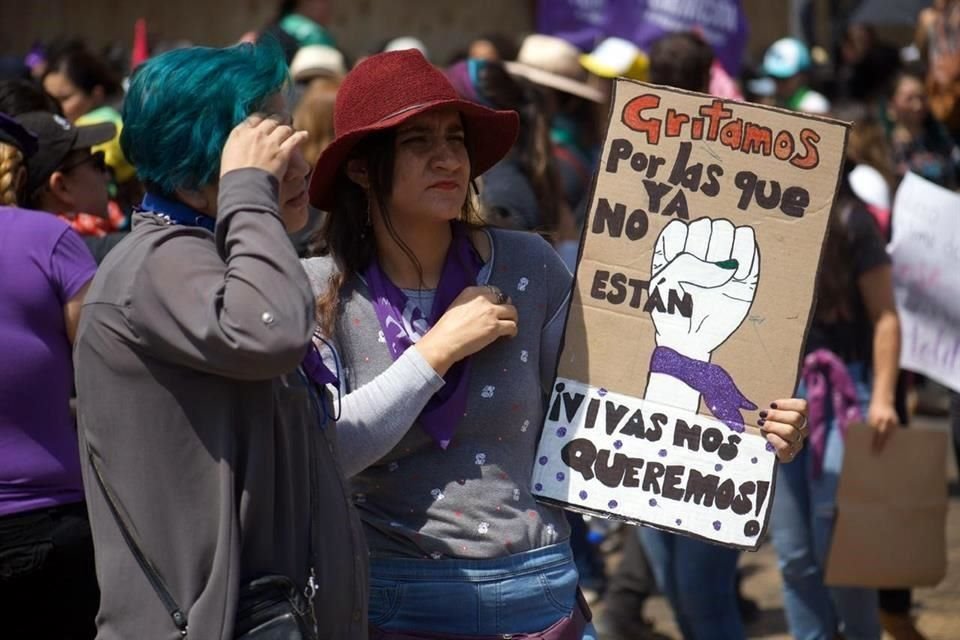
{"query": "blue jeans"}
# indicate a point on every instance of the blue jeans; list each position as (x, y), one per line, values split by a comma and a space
(699, 580)
(521, 593)
(804, 509)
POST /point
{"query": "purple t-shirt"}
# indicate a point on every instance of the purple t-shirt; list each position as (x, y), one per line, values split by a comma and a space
(43, 264)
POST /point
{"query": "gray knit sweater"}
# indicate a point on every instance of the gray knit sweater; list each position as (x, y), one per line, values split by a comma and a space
(472, 500)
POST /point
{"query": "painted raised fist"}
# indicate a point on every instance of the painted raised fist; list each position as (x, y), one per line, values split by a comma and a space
(705, 274)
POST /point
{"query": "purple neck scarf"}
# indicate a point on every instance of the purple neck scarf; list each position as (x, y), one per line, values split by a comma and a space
(712, 381)
(403, 324)
(823, 370)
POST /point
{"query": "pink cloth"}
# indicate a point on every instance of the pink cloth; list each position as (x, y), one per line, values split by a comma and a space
(722, 85)
(882, 216)
(821, 369)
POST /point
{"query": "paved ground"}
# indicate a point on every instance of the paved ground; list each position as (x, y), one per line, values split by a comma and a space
(937, 610)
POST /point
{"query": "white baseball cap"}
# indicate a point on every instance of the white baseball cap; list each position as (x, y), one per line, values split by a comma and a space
(317, 60)
(786, 58)
(407, 42)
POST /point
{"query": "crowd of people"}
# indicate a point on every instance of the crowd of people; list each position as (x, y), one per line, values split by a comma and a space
(263, 372)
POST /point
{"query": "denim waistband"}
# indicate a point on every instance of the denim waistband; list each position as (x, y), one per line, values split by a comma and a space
(472, 569)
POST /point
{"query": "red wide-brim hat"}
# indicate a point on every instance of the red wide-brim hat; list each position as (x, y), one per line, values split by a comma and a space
(389, 88)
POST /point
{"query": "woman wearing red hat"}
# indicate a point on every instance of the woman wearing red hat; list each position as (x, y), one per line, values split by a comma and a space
(448, 334)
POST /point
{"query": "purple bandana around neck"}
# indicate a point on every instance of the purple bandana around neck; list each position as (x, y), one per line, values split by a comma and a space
(719, 391)
(403, 324)
(823, 370)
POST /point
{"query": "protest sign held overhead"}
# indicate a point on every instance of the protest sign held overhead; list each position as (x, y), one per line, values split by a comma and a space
(925, 247)
(694, 291)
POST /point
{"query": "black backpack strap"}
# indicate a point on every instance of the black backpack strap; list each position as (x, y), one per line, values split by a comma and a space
(153, 576)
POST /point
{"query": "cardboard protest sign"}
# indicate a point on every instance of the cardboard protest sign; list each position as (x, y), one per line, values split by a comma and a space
(925, 250)
(901, 491)
(694, 290)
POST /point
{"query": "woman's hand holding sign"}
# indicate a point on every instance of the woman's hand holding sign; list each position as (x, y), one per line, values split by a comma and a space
(784, 425)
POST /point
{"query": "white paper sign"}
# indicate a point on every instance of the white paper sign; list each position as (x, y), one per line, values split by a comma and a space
(926, 276)
(617, 456)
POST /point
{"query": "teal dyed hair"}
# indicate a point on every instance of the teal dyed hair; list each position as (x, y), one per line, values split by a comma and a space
(182, 105)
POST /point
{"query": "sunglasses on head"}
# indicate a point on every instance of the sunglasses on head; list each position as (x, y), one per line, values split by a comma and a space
(97, 159)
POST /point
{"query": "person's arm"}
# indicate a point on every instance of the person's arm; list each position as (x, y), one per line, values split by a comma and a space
(72, 269)
(245, 311)
(71, 312)
(241, 308)
(876, 288)
(375, 417)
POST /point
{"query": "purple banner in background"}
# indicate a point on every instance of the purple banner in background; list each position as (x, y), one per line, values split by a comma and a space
(586, 22)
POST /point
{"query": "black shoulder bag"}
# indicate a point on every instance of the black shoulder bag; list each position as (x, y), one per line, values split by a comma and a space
(270, 607)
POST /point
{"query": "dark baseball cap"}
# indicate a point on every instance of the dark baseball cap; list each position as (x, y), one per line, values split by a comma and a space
(14, 133)
(57, 137)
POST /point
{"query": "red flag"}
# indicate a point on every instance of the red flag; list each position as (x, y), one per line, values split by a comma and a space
(140, 49)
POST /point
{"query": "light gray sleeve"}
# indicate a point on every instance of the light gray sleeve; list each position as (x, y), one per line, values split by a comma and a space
(375, 417)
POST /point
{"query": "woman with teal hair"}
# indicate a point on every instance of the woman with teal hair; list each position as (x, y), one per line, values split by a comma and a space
(208, 469)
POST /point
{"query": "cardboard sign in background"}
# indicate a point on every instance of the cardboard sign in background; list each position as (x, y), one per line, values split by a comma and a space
(900, 491)
(747, 191)
(925, 251)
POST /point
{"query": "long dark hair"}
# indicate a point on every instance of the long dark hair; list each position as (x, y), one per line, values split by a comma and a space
(346, 235)
(837, 265)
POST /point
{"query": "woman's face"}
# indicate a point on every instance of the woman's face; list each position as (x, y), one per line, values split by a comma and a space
(74, 101)
(909, 102)
(83, 183)
(431, 170)
(293, 195)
